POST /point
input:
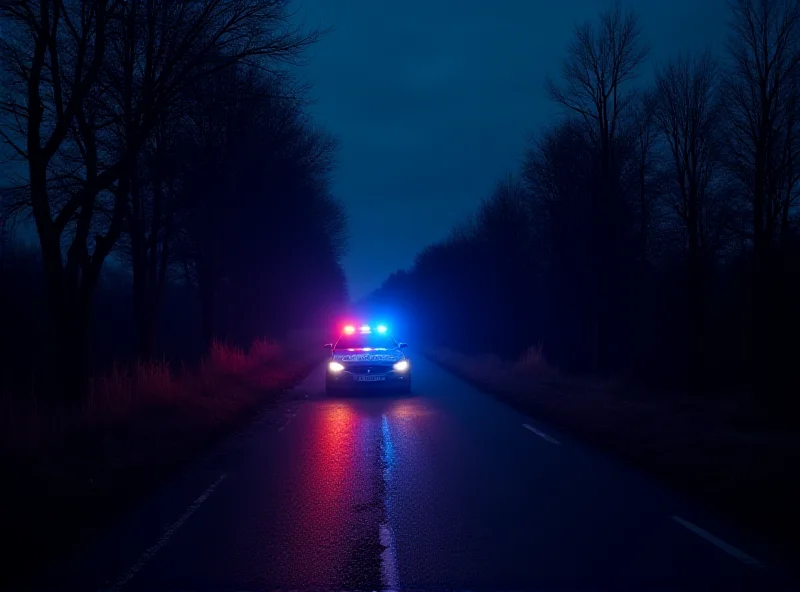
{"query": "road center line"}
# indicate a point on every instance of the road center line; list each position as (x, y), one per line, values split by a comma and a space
(389, 572)
(729, 549)
(168, 534)
(541, 434)
(388, 559)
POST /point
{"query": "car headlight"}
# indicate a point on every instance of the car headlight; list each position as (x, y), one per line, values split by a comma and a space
(335, 367)
(401, 366)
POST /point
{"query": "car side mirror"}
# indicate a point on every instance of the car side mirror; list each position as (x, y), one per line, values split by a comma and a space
(328, 346)
(402, 345)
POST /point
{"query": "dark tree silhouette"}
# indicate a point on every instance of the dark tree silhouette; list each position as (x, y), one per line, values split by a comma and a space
(88, 82)
(259, 230)
(558, 173)
(644, 172)
(687, 115)
(654, 226)
(602, 62)
(762, 113)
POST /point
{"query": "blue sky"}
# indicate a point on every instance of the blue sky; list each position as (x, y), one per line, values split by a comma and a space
(432, 105)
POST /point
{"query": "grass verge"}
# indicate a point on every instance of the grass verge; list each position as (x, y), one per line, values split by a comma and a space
(722, 452)
(68, 472)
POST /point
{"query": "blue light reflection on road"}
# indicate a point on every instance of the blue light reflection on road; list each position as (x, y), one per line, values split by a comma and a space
(389, 554)
(388, 460)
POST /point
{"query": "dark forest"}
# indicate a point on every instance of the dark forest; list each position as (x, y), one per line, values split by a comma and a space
(651, 233)
(179, 192)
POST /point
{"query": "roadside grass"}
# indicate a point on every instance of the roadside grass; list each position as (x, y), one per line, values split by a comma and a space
(722, 452)
(68, 471)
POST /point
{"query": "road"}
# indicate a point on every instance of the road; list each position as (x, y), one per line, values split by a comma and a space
(443, 489)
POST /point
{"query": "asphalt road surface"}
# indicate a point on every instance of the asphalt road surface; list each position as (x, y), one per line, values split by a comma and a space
(443, 489)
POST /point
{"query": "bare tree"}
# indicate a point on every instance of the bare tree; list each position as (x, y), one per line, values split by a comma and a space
(92, 78)
(688, 117)
(763, 108)
(555, 171)
(602, 61)
(53, 52)
(504, 224)
(165, 49)
(644, 169)
(154, 192)
(259, 171)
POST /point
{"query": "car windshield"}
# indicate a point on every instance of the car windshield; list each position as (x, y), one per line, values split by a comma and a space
(368, 340)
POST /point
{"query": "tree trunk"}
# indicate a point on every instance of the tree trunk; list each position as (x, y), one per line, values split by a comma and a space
(70, 336)
(208, 311)
(207, 283)
(759, 299)
(146, 332)
(643, 219)
(696, 309)
(606, 267)
(140, 275)
(768, 335)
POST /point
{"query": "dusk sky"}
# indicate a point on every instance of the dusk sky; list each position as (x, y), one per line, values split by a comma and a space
(432, 105)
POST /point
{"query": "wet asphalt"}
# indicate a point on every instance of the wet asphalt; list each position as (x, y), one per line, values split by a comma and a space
(443, 489)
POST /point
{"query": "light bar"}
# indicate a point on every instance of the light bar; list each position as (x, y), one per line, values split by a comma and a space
(365, 329)
(349, 330)
(382, 329)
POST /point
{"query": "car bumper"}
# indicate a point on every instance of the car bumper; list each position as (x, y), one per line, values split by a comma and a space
(351, 380)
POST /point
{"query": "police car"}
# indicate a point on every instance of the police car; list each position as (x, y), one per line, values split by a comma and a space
(367, 357)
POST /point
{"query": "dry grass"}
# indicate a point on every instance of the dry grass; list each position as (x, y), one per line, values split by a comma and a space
(719, 451)
(229, 359)
(70, 469)
(125, 392)
(502, 374)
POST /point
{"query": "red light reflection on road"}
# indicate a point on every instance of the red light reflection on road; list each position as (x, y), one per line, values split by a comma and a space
(333, 439)
(324, 498)
(409, 409)
(344, 444)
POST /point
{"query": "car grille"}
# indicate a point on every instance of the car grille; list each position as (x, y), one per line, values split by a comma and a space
(369, 368)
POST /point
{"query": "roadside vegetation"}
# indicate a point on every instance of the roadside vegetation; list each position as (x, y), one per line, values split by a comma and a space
(168, 244)
(723, 451)
(648, 248)
(71, 471)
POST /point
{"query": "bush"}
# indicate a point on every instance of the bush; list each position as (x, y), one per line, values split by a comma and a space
(126, 391)
(70, 469)
(724, 452)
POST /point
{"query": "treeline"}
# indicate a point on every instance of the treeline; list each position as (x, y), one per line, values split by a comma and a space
(652, 231)
(174, 186)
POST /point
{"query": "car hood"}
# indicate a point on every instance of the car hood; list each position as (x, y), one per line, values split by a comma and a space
(356, 356)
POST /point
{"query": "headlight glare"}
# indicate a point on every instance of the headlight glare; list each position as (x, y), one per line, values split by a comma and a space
(401, 366)
(335, 367)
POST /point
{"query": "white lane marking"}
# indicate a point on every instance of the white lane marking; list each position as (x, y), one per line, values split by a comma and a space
(389, 572)
(168, 534)
(388, 559)
(729, 549)
(541, 434)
